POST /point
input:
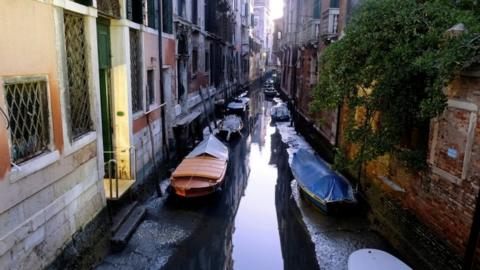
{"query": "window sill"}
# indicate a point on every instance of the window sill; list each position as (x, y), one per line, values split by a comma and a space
(80, 143)
(33, 165)
(153, 107)
(138, 114)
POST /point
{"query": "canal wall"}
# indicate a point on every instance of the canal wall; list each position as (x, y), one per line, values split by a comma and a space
(425, 217)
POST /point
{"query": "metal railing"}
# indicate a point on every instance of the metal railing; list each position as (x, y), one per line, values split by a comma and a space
(311, 31)
(120, 165)
(329, 24)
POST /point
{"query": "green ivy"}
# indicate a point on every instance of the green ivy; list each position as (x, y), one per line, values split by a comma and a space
(401, 54)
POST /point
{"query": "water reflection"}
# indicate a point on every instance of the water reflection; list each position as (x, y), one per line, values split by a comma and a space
(256, 242)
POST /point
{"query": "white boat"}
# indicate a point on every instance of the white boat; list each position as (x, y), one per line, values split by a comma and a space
(280, 112)
(231, 124)
(374, 259)
(270, 92)
(238, 105)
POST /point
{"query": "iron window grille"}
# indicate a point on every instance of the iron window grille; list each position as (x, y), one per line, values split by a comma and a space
(27, 105)
(109, 7)
(77, 76)
(136, 71)
(150, 87)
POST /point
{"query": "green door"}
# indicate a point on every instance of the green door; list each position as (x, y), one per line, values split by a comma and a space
(104, 64)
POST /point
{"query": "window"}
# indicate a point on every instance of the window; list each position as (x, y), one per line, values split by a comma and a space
(316, 9)
(136, 71)
(194, 12)
(334, 3)
(207, 61)
(167, 16)
(84, 2)
(152, 11)
(452, 140)
(194, 61)
(181, 8)
(27, 104)
(150, 86)
(77, 88)
(135, 11)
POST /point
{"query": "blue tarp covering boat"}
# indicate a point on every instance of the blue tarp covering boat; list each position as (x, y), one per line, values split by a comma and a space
(320, 184)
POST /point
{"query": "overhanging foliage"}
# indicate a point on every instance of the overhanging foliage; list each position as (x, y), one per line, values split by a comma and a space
(394, 61)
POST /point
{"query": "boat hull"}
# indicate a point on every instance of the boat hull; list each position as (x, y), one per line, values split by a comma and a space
(197, 187)
(281, 118)
(328, 208)
(196, 192)
(320, 205)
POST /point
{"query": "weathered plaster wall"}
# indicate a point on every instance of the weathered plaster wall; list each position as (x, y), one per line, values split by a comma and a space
(36, 21)
(51, 196)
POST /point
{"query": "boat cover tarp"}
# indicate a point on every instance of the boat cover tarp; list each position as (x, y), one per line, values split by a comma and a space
(211, 146)
(231, 123)
(201, 167)
(280, 111)
(315, 176)
(236, 105)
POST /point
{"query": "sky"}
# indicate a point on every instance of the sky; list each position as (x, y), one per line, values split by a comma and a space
(276, 7)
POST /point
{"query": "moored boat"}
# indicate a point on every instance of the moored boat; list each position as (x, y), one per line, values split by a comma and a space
(322, 186)
(238, 105)
(280, 112)
(231, 124)
(270, 92)
(201, 172)
(374, 259)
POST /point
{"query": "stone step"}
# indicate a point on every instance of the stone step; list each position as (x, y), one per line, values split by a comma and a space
(121, 216)
(128, 227)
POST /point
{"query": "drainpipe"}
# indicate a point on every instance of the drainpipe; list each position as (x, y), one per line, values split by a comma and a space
(469, 259)
(162, 93)
(165, 147)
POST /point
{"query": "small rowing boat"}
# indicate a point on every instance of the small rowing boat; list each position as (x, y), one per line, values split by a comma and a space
(280, 112)
(231, 124)
(238, 105)
(202, 172)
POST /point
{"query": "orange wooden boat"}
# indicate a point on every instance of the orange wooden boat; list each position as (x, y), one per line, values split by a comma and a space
(203, 171)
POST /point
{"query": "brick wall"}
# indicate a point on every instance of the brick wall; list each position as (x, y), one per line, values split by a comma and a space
(436, 206)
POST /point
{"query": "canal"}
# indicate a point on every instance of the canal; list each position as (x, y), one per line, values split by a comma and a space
(255, 222)
(242, 229)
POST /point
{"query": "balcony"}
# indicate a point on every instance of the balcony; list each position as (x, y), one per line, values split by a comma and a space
(329, 29)
(311, 32)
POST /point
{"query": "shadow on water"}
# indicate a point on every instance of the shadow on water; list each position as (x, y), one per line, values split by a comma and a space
(297, 247)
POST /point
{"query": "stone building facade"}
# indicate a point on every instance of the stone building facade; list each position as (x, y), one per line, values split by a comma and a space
(51, 136)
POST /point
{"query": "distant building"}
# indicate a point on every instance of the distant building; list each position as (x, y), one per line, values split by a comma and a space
(263, 30)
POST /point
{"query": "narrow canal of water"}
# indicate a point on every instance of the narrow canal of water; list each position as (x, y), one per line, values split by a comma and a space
(254, 222)
(256, 240)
